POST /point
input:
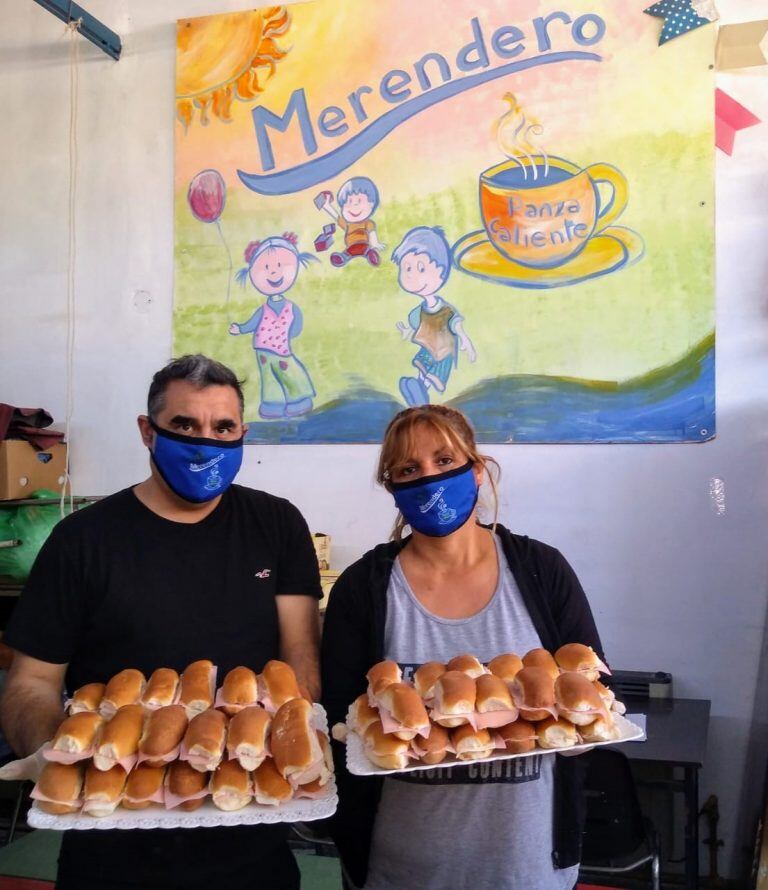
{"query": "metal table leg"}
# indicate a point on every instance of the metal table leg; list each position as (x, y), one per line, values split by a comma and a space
(691, 782)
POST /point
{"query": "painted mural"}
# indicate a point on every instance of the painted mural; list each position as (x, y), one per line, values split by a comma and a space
(503, 207)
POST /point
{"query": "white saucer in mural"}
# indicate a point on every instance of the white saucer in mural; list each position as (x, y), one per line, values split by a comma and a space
(614, 248)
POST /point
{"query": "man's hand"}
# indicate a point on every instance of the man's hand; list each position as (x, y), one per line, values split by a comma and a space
(299, 622)
(31, 708)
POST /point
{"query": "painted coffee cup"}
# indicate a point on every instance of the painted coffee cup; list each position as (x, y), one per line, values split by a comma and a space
(540, 212)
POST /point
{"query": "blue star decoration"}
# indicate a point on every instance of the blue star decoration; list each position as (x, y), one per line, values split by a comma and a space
(679, 18)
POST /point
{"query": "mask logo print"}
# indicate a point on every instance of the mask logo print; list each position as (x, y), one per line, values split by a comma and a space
(445, 513)
(214, 481)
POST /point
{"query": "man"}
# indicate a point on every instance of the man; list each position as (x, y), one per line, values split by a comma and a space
(181, 567)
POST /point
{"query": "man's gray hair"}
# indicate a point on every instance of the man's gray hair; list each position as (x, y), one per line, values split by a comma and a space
(199, 370)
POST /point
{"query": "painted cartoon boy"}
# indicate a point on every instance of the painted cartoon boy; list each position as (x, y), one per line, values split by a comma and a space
(358, 199)
(424, 258)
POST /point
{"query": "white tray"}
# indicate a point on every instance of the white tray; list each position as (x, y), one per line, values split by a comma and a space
(359, 765)
(207, 816)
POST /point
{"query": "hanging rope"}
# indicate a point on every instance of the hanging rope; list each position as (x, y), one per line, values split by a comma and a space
(74, 57)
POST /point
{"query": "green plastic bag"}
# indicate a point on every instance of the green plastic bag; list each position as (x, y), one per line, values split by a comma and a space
(30, 525)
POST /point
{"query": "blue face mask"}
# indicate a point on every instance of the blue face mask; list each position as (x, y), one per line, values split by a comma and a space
(438, 505)
(196, 469)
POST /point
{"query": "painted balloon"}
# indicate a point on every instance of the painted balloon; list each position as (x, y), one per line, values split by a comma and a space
(207, 194)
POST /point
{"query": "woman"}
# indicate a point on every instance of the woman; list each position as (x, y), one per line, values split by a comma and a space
(452, 586)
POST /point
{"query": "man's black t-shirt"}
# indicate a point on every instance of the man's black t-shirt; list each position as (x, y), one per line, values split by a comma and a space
(117, 586)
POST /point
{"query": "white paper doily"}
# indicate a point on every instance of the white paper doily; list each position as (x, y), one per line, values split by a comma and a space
(359, 765)
(207, 816)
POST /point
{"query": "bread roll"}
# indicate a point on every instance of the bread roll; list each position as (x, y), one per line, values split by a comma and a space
(295, 748)
(453, 699)
(361, 714)
(607, 695)
(102, 790)
(492, 694)
(231, 787)
(467, 664)
(533, 691)
(87, 698)
(277, 685)
(540, 658)
(471, 744)
(552, 733)
(426, 676)
(402, 711)
(161, 689)
(386, 751)
(577, 699)
(197, 686)
(125, 688)
(518, 737)
(119, 740)
(185, 787)
(76, 736)
(506, 667)
(581, 658)
(204, 740)
(58, 788)
(269, 787)
(239, 690)
(601, 730)
(312, 790)
(162, 736)
(247, 737)
(435, 748)
(144, 787)
(381, 675)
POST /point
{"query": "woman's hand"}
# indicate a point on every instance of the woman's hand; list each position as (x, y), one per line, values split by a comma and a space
(234, 328)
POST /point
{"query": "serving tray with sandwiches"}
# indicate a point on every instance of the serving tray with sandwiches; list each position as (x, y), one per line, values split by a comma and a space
(465, 712)
(359, 765)
(175, 752)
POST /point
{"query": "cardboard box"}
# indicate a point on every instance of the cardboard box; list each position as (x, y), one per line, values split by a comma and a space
(322, 544)
(327, 580)
(24, 470)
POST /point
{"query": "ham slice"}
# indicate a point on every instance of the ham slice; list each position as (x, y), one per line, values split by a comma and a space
(172, 800)
(66, 757)
(495, 719)
(157, 797)
(221, 702)
(301, 793)
(166, 758)
(38, 795)
(199, 761)
(390, 725)
(469, 716)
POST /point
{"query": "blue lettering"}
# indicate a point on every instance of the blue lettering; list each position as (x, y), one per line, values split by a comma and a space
(578, 29)
(477, 45)
(442, 64)
(357, 106)
(331, 121)
(263, 118)
(393, 92)
(503, 37)
(541, 24)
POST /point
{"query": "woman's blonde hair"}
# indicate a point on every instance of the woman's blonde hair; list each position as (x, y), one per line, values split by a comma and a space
(452, 426)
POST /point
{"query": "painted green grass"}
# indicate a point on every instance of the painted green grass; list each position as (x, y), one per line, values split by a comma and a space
(612, 329)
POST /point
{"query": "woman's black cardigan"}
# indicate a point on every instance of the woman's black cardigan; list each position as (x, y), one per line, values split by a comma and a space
(353, 641)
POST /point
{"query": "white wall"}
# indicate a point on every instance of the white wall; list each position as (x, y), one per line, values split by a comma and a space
(674, 585)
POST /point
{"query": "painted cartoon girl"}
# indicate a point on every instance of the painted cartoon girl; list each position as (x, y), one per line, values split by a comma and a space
(272, 266)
